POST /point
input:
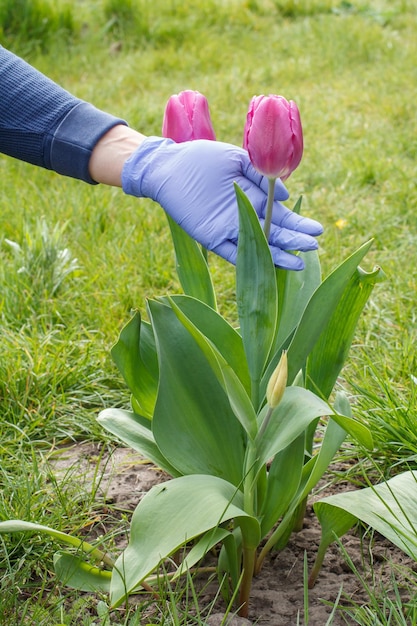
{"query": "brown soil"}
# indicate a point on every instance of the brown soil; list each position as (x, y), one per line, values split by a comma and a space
(278, 591)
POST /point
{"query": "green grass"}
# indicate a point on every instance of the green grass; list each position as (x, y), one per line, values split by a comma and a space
(391, 602)
(34, 24)
(351, 68)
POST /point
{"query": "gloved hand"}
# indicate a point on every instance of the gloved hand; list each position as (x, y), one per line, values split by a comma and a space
(193, 182)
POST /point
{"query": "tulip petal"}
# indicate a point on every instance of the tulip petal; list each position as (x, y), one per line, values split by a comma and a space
(176, 124)
(273, 136)
(280, 193)
(187, 118)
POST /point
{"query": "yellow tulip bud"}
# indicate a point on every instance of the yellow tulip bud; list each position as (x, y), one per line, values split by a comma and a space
(277, 382)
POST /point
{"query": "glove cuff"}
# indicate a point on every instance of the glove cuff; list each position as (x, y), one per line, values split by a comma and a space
(139, 165)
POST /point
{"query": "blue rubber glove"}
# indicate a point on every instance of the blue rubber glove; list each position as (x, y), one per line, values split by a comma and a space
(193, 182)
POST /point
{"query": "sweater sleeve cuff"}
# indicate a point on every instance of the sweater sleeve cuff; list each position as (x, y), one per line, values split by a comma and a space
(72, 142)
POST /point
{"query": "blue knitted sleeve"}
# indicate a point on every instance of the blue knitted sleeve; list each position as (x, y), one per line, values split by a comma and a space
(43, 124)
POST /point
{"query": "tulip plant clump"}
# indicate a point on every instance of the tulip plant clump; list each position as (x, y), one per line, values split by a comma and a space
(230, 411)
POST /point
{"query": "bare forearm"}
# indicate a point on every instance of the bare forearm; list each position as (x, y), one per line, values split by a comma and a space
(110, 153)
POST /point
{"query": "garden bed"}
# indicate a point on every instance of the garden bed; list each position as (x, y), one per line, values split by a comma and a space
(278, 591)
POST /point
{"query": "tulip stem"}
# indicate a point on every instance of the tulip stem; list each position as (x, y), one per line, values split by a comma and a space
(269, 205)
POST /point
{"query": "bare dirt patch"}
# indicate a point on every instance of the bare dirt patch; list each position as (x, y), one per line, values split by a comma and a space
(123, 478)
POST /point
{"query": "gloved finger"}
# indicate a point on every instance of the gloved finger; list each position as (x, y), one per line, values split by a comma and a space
(281, 215)
(227, 250)
(280, 189)
(285, 218)
(281, 193)
(291, 239)
(285, 260)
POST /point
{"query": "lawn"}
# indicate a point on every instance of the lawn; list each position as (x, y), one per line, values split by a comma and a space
(75, 260)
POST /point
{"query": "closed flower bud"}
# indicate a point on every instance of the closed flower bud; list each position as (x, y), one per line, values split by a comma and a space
(187, 118)
(273, 136)
(277, 382)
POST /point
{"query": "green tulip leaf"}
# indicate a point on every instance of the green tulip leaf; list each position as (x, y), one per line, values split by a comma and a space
(256, 290)
(135, 432)
(225, 374)
(240, 402)
(194, 425)
(331, 350)
(20, 526)
(334, 436)
(192, 268)
(216, 330)
(229, 559)
(390, 508)
(297, 409)
(294, 291)
(355, 429)
(283, 481)
(170, 516)
(208, 541)
(73, 572)
(335, 522)
(316, 316)
(135, 356)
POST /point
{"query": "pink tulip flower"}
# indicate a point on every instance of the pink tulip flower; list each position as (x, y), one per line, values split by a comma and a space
(187, 117)
(273, 136)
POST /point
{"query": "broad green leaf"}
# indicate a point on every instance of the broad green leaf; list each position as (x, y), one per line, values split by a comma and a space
(284, 477)
(390, 508)
(331, 350)
(194, 425)
(312, 471)
(317, 315)
(219, 332)
(225, 374)
(208, 541)
(294, 291)
(73, 572)
(333, 438)
(240, 402)
(20, 526)
(192, 268)
(289, 419)
(256, 289)
(335, 522)
(229, 561)
(170, 516)
(135, 356)
(297, 409)
(355, 429)
(135, 431)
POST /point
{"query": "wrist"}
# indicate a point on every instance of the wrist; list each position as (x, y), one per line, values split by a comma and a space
(111, 152)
